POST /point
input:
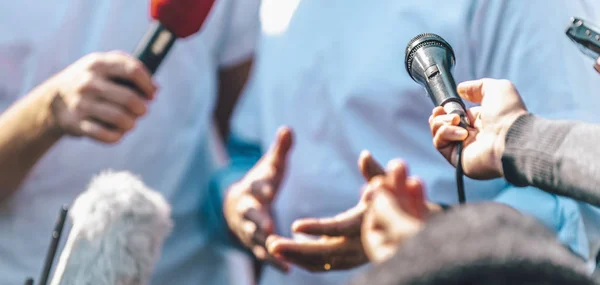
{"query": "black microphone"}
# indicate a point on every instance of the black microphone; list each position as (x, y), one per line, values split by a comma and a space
(429, 60)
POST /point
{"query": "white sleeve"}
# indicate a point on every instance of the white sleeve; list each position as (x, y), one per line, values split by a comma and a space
(525, 42)
(241, 32)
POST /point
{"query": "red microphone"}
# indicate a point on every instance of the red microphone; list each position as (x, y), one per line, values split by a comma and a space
(174, 19)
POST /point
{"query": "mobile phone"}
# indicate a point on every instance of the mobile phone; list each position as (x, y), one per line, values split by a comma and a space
(585, 36)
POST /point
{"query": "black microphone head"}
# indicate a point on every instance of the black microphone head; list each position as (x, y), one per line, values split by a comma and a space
(424, 51)
(429, 60)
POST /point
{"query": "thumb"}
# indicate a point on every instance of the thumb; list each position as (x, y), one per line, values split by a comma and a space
(471, 90)
(597, 65)
(277, 154)
(368, 166)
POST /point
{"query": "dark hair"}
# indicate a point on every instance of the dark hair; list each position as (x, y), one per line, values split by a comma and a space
(487, 244)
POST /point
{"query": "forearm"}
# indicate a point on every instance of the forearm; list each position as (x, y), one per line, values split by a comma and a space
(26, 135)
(561, 157)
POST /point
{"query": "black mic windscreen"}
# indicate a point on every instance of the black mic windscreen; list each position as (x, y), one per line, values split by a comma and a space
(429, 61)
(417, 44)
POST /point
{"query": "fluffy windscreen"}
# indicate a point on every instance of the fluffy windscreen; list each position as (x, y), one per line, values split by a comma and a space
(119, 226)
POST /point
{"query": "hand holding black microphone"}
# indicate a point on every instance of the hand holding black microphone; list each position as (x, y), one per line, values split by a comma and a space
(429, 61)
(501, 105)
(471, 140)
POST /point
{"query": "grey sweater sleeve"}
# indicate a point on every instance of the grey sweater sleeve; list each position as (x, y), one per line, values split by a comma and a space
(561, 157)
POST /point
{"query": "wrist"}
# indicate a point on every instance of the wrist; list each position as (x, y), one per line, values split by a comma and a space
(500, 142)
(46, 97)
(499, 145)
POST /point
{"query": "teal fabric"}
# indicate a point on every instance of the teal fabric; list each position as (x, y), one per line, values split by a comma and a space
(243, 155)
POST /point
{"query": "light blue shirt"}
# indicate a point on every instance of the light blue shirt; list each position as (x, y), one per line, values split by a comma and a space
(334, 71)
(168, 148)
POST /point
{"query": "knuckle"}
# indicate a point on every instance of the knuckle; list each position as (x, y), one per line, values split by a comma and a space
(133, 103)
(120, 119)
(417, 181)
(118, 53)
(445, 133)
(92, 57)
(128, 124)
(87, 84)
(80, 107)
(135, 69)
(436, 142)
(237, 189)
(95, 61)
(95, 65)
(507, 84)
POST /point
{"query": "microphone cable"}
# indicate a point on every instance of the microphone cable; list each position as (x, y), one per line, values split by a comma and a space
(460, 183)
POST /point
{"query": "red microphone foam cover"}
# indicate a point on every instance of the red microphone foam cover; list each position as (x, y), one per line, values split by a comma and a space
(182, 17)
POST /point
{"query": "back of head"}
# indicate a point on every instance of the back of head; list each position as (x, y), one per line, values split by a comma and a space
(182, 17)
(480, 244)
(119, 226)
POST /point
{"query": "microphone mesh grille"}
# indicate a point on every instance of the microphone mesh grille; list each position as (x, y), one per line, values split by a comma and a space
(421, 41)
(418, 37)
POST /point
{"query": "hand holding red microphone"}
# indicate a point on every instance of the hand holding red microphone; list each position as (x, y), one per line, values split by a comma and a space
(103, 94)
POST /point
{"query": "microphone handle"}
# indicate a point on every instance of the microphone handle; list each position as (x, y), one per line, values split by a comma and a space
(152, 50)
(455, 106)
(441, 88)
(154, 46)
(452, 105)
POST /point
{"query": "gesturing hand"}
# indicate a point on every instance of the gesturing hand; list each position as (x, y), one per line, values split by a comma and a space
(484, 141)
(339, 245)
(247, 205)
(88, 102)
(396, 212)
